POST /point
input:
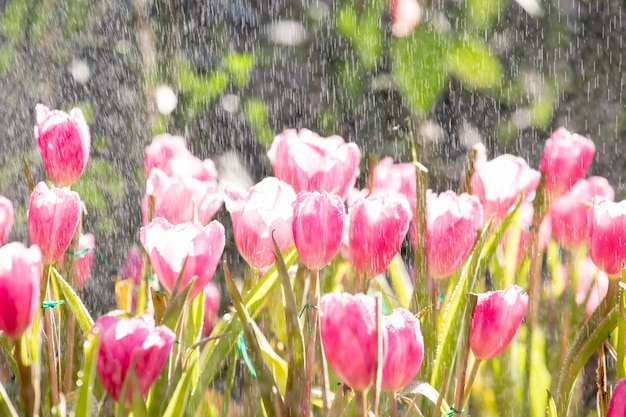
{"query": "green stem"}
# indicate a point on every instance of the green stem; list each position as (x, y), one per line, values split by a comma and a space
(459, 396)
(230, 379)
(361, 403)
(620, 372)
(27, 390)
(393, 407)
(470, 380)
(305, 409)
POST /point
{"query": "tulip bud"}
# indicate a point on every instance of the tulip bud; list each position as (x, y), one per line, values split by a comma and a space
(212, 300)
(404, 350)
(265, 210)
(390, 178)
(6, 218)
(20, 281)
(617, 405)
(84, 262)
(163, 148)
(496, 318)
(378, 226)
(309, 162)
(348, 333)
(168, 246)
(64, 143)
(53, 216)
(317, 227)
(607, 228)
(124, 340)
(566, 159)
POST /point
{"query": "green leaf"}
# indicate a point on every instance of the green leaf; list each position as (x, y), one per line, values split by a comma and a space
(84, 394)
(483, 13)
(347, 21)
(400, 281)
(83, 318)
(419, 67)
(473, 63)
(15, 13)
(178, 402)
(256, 115)
(551, 406)
(175, 307)
(539, 374)
(240, 67)
(369, 39)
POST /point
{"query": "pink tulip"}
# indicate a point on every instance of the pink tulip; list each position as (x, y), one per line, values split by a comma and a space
(211, 308)
(524, 223)
(498, 184)
(607, 228)
(64, 143)
(404, 350)
(566, 159)
(377, 228)
(496, 318)
(133, 265)
(617, 405)
(348, 333)
(569, 212)
(318, 220)
(178, 198)
(169, 245)
(53, 215)
(84, 262)
(6, 218)
(309, 162)
(20, 281)
(390, 178)
(265, 209)
(405, 16)
(163, 148)
(452, 223)
(593, 285)
(124, 340)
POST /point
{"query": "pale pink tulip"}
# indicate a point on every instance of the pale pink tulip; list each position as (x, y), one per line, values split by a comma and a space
(378, 226)
(498, 184)
(617, 405)
(566, 159)
(212, 300)
(83, 264)
(124, 340)
(53, 215)
(169, 245)
(6, 218)
(607, 228)
(20, 281)
(348, 333)
(496, 318)
(569, 212)
(390, 178)
(404, 350)
(405, 16)
(318, 220)
(593, 285)
(309, 162)
(64, 143)
(266, 209)
(163, 148)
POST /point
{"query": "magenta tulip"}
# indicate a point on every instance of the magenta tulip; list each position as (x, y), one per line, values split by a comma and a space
(569, 212)
(496, 318)
(566, 159)
(309, 162)
(617, 405)
(390, 178)
(53, 215)
(20, 281)
(348, 333)
(83, 260)
(6, 218)
(169, 245)
(378, 226)
(452, 224)
(318, 220)
(64, 143)
(498, 184)
(127, 340)
(404, 350)
(607, 228)
(133, 266)
(266, 209)
(212, 300)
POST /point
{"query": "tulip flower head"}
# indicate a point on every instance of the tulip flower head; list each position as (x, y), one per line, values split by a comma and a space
(163, 148)
(404, 350)
(617, 405)
(405, 16)
(169, 245)
(126, 341)
(84, 260)
(390, 178)
(20, 281)
(212, 300)
(607, 228)
(6, 218)
(133, 266)
(53, 216)
(496, 318)
(64, 143)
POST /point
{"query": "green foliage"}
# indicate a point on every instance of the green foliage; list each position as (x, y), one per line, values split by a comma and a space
(240, 67)
(471, 61)
(256, 115)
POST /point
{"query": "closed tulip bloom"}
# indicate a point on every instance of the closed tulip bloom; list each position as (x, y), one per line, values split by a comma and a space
(566, 159)
(569, 212)
(6, 218)
(124, 340)
(452, 225)
(133, 266)
(64, 143)
(348, 333)
(498, 184)
(607, 228)
(20, 281)
(378, 226)
(496, 318)
(53, 215)
(404, 350)
(84, 261)
(169, 245)
(617, 405)
(309, 162)
(318, 220)
(163, 148)
(212, 300)
(265, 209)
(390, 178)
